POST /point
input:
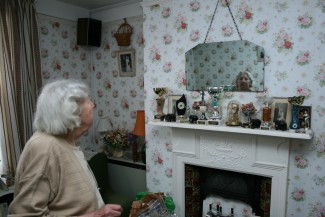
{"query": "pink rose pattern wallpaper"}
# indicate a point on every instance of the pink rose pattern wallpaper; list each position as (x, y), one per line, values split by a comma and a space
(292, 33)
(293, 36)
(117, 97)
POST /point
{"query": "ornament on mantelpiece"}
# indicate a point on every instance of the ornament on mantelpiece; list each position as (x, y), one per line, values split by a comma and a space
(181, 107)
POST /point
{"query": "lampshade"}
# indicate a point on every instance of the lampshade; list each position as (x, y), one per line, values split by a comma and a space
(103, 125)
(139, 127)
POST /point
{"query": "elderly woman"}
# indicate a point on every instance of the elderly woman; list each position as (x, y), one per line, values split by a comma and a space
(244, 81)
(53, 177)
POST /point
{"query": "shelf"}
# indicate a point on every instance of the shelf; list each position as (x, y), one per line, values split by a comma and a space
(127, 162)
(237, 129)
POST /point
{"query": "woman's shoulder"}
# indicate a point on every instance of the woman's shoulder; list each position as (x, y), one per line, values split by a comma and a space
(42, 143)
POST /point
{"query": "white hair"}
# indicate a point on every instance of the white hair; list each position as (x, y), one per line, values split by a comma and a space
(59, 106)
(250, 77)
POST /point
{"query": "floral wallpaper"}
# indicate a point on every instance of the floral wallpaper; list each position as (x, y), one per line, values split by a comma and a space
(293, 35)
(117, 97)
(291, 32)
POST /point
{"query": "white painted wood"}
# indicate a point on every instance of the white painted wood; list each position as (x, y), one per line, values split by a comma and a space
(237, 129)
(252, 151)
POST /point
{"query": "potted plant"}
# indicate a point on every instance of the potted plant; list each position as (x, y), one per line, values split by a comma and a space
(117, 141)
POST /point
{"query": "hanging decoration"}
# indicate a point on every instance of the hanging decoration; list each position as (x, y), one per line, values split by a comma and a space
(123, 34)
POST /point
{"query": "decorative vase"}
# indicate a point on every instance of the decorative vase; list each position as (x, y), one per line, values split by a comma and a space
(117, 153)
(295, 101)
(294, 124)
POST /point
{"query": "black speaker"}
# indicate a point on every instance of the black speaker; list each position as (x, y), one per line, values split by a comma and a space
(89, 32)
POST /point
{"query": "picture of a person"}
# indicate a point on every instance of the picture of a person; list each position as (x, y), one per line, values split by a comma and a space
(281, 115)
(126, 63)
(282, 111)
(128, 67)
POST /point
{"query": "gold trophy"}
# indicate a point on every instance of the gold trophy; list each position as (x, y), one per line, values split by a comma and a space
(160, 91)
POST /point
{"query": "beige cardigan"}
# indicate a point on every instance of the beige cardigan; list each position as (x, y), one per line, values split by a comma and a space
(50, 180)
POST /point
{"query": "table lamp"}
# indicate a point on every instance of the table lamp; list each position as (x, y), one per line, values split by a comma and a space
(103, 125)
(139, 131)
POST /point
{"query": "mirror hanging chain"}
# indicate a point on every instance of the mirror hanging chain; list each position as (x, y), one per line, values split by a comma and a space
(233, 19)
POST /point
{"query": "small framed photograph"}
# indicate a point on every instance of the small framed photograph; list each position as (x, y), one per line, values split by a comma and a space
(281, 110)
(172, 103)
(126, 63)
(303, 113)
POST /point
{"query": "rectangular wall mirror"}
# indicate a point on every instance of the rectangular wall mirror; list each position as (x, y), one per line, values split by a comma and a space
(219, 64)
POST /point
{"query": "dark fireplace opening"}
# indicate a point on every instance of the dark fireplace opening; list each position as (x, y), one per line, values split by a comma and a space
(231, 185)
(201, 182)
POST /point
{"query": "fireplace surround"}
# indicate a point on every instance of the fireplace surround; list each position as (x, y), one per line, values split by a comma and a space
(250, 151)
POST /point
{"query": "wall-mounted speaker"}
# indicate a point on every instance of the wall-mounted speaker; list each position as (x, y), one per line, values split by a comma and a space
(89, 32)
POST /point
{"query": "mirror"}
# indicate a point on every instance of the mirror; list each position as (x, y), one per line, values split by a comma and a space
(219, 64)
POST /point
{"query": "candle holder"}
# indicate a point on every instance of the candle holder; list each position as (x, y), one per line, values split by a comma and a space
(161, 92)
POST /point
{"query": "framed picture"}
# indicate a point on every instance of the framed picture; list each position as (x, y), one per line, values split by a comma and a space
(126, 63)
(304, 110)
(172, 103)
(281, 110)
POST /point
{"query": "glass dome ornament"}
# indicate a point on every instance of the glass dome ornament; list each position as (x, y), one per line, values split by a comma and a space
(233, 113)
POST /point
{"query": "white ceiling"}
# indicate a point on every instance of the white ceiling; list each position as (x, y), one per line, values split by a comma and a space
(96, 4)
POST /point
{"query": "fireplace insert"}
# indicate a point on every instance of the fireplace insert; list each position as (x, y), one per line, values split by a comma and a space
(231, 185)
(202, 182)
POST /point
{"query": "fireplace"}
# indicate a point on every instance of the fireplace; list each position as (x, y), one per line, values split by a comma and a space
(251, 151)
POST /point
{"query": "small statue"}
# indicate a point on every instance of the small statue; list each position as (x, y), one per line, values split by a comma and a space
(234, 111)
(161, 92)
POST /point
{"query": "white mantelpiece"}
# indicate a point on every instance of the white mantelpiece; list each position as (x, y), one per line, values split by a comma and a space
(251, 151)
(275, 133)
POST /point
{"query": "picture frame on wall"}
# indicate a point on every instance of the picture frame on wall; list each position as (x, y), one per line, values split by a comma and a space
(172, 103)
(126, 63)
(301, 112)
(281, 110)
